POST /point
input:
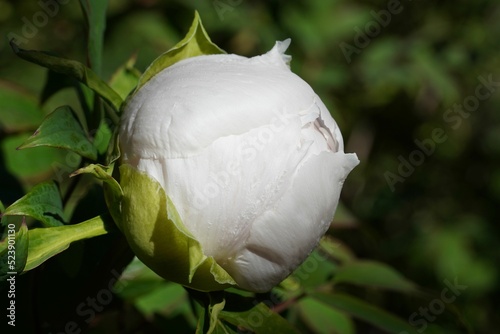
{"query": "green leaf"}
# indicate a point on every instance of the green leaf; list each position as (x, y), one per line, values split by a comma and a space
(45, 243)
(321, 318)
(43, 203)
(103, 137)
(212, 303)
(221, 328)
(200, 325)
(48, 160)
(375, 274)
(61, 129)
(315, 270)
(13, 260)
(113, 151)
(138, 281)
(364, 311)
(336, 250)
(94, 12)
(259, 319)
(196, 43)
(76, 70)
(113, 193)
(343, 218)
(125, 78)
(19, 110)
(166, 297)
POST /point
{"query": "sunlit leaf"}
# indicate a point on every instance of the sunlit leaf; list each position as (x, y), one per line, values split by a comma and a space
(43, 203)
(44, 243)
(60, 129)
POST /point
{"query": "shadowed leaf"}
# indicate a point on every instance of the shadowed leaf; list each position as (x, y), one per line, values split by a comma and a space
(94, 12)
(366, 312)
(73, 69)
(324, 319)
(43, 203)
(375, 274)
(259, 319)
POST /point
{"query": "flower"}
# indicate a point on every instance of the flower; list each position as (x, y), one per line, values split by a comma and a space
(232, 169)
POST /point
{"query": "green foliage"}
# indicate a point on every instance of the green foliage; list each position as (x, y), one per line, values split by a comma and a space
(45, 243)
(369, 273)
(72, 69)
(95, 17)
(259, 319)
(61, 129)
(322, 319)
(18, 109)
(43, 203)
(362, 310)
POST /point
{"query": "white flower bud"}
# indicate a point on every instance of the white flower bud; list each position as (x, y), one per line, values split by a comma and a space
(249, 156)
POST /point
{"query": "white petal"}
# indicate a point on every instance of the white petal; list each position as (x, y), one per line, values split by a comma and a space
(189, 105)
(284, 235)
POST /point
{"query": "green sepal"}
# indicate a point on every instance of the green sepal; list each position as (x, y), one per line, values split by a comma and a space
(112, 191)
(196, 43)
(62, 130)
(113, 150)
(217, 303)
(211, 305)
(43, 203)
(125, 78)
(158, 237)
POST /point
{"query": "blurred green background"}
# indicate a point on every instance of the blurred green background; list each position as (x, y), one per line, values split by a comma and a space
(392, 73)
